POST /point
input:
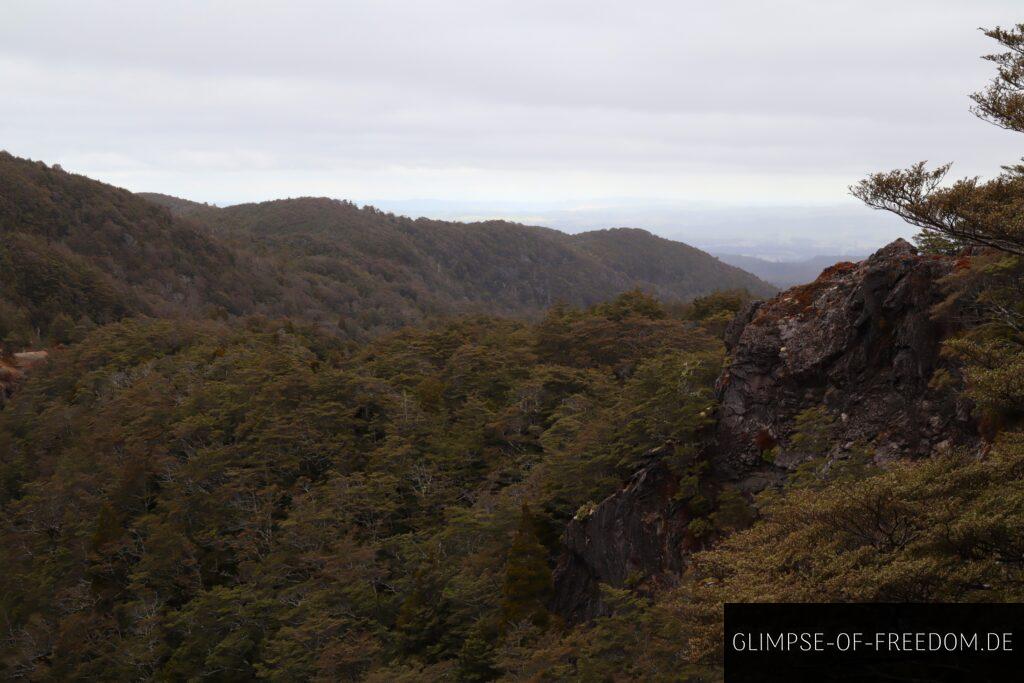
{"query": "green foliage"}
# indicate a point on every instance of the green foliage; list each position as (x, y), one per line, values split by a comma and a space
(943, 529)
(990, 352)
(938, 244)
(715, 311)
(629, 305)
(527, 575)
(732, 512)
(713, 305)
(994, 374)
(1002, 102)
(240, 499)
(668, 400)
(476, 658)
(813, 430)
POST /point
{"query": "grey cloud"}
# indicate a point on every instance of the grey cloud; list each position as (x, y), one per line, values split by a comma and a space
(532, 100)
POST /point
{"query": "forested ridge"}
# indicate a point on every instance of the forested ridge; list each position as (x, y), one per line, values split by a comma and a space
(76, 253)
(79, 253)
(209, 478)
(379, 270)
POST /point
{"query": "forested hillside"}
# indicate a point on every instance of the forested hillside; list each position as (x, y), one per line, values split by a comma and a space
(199, 499)
(205, 480)
(379, 270)
(76, 253)
(243, 499)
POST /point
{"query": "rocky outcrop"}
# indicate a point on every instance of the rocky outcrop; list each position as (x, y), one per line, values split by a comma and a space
(636, 535)
(861, 343)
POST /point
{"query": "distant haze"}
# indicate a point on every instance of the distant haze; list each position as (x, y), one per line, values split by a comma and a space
(775, 232)
(732, 125)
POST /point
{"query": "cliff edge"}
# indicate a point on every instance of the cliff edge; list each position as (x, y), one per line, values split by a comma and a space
(861, 344)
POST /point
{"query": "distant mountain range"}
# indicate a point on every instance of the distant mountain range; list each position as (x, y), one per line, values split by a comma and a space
(770, 231)
(785, 274)
(77, 252)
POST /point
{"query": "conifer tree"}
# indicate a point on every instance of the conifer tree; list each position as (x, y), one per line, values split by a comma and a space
(969, 211)
(527, 575)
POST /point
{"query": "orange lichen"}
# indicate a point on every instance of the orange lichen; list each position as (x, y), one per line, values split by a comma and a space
(800, 299)
(841, 268)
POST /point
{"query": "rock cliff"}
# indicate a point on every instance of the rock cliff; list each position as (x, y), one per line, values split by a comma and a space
(638, 533)
(861, 343)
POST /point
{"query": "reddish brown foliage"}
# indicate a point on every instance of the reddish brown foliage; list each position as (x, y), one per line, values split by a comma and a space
(764, 440)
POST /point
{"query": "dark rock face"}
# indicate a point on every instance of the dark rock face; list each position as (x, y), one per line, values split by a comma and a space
(860, 341)
(637, 533)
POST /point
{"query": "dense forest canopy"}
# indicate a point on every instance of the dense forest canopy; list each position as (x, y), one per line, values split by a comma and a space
(254, 500)
(207, 480)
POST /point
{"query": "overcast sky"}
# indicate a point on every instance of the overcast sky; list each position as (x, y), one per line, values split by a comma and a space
(527, 101)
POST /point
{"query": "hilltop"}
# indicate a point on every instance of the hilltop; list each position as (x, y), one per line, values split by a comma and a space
(395, 270)
(78, 253)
